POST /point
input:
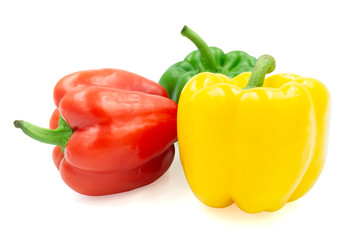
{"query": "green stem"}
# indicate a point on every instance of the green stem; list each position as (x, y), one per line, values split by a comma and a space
(204, 49)
(59, 136)
(265, 64)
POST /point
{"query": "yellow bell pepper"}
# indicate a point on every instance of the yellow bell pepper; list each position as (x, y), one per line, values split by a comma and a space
(257, 142)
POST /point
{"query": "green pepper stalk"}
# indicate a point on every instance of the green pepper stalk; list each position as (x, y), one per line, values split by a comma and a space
(265, 64)
(208, 58)
(59, 136)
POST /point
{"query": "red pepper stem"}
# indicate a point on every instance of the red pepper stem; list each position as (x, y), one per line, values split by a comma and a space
(265, 64)
(59, 136)
(204, 49)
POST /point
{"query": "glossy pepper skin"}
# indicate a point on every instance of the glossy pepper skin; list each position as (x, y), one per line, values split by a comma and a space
(259, 145)
(206, 59)
(114, 78)
(109, 140)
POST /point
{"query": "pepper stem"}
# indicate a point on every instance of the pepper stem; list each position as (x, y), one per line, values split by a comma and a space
(265, 64)
(203, 48)
(59, 136)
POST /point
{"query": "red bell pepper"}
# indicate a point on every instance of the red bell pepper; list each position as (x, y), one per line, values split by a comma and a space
(115, 132)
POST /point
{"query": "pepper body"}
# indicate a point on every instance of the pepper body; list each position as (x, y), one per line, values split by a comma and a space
(206, 59)
(230, 64)
(120, 139)
(259, 147)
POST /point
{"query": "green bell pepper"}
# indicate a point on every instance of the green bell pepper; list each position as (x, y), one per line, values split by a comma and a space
(205, 59)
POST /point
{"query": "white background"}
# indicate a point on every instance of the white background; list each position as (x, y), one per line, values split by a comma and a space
(42, 41)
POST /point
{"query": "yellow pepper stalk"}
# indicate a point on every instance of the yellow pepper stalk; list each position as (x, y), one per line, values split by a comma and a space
(257, 142)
